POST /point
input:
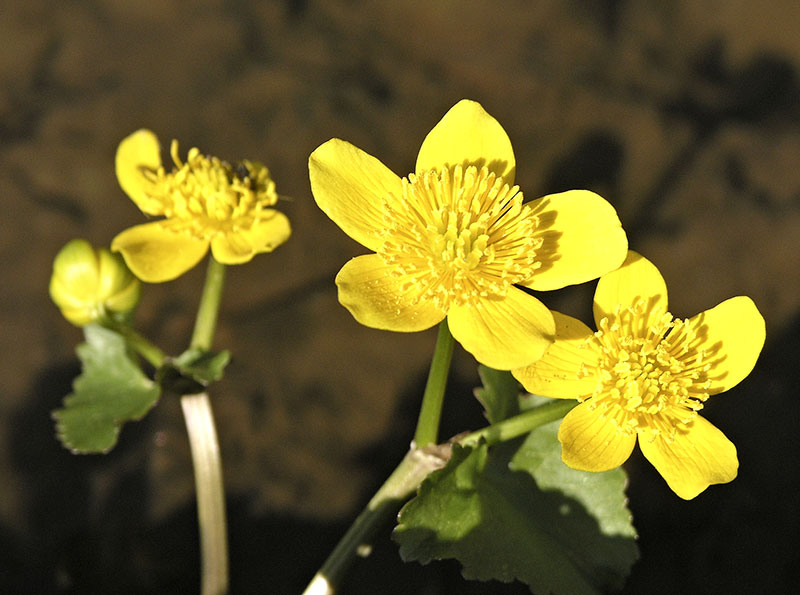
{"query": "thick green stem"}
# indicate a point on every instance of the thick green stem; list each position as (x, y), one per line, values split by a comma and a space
(430, 413)
(203, 440)
(210, 492)
(206, 321)
(521, 424)
(414, 467)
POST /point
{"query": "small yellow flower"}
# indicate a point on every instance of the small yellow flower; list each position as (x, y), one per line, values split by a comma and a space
(91, 285)
(645, 375)
(204, 201)
(455, 240)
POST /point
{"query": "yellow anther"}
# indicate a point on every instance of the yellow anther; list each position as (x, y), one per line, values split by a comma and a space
(650, 373)
(462, 232)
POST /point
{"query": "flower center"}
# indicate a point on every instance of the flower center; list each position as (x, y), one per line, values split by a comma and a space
(459, 235)
(206, 196)
(653, 378)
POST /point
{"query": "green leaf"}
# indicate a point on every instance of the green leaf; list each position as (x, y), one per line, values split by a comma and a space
(111, 390)
(203, 366)
(501, 525)
(499, 394)
(192, 371)
(601, 494)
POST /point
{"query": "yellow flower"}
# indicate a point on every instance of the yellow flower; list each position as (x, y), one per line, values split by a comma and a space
(90, 285)
(645, 375)
(204, 201)
(455, 240)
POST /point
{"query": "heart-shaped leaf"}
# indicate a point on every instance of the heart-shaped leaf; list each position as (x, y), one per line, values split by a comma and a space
(111, 390)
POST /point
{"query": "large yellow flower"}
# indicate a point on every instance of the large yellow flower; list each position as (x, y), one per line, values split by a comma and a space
(204, 201)
(645, 374)
(455, 240)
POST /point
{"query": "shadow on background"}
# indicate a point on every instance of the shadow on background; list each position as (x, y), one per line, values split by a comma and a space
(88, 531)
(688, 122)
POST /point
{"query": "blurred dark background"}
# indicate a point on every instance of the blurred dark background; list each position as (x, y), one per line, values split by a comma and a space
(685, 115)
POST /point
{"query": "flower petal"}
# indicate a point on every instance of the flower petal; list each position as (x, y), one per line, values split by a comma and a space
(732, 335)
(591, 442)
(504, 334)
(264, 236)
(350, 185)
(567, 369)
(378, 299)
(698, 457)
(468, 135)
(636, 279)
(138, 152)
(156, 254)
(582, 239)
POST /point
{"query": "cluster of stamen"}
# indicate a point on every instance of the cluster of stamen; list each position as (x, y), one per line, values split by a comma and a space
(206, 196)
(653, 376)
(459, 235)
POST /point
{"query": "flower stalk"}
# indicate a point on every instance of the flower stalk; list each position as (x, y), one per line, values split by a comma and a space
(209, 490)
(521, 424)
(139, 343)
(407, 477)
(430, 413)
(415, 466)
(199, 417)
(207, 313)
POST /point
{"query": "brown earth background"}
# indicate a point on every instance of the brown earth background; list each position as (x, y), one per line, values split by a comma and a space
(685, 115)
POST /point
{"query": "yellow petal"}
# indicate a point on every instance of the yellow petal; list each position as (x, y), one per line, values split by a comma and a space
(732, 334)
(504, 334)
(582, 239)
(591, 442)
(378, 299)
(156, 254)
(698, 457)
(636, 279)
(350, 186)
(265, 236)
(138, 152)
(567, 369)
(467, 135)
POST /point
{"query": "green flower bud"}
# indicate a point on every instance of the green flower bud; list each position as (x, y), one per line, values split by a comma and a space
(90, 285)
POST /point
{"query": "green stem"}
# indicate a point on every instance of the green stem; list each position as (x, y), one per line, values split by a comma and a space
(210, 492)
(139, 343)
(203, 440)
(206, 321)
(414, 467)
(521, 424)
(433, 398)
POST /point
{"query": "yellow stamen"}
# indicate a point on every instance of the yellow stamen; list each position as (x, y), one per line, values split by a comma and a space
(459, 235)
(205, 196)
(654, 378)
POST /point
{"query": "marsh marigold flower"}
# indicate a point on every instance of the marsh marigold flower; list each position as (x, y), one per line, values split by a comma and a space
(645, 375)
(90, 285)
(205, 203)
(454, 239)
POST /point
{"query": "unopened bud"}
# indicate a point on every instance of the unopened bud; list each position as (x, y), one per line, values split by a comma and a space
(90, 285)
